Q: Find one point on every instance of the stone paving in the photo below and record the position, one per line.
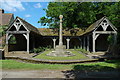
(19, 54)
(32, 74)
(57, 74)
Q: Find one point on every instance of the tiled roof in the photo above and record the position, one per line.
(54, 32)
(6, 18)
(74, 32)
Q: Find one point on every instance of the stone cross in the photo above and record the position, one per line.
(60, 31)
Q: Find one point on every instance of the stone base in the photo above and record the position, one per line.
(61, 52)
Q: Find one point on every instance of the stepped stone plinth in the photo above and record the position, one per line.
(60, 51)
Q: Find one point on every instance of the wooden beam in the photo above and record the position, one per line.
(93, 42)
(6, 38)
(18, 32)
(96, 36)
(23, 25)
(9, 36)
(104, 26)
(68, 43)
(15, 26)
(18, 25)
(11, 25)
(105, 32)
(88, 43)
(25, 36)
(84, 42)
(28, 42)
(54, 41)
(6, 43)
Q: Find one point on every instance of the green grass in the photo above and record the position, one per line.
(98, 66)
(77, 56)
(82, 50)
(12, 64)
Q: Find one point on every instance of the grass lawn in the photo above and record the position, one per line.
(107, 65)
(77, 56)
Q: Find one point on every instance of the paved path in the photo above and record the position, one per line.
(32, 74)
(57, 74)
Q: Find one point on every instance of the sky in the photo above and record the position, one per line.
(29, 11)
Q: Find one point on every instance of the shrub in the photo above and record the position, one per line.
(39, 49)
(76, 47)
(82, 50)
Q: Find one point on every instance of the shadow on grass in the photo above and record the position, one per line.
(116, 62)
(91, 71)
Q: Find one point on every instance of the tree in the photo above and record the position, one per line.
(72, 12)
(81, 14)
(2, 29)
(77, 14)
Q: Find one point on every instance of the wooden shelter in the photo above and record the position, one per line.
(94, 38)
(25, 34)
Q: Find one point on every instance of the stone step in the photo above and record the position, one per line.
(61, 47)
(18, 52)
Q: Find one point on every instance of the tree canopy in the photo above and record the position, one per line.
(80, 14)
(2, 29)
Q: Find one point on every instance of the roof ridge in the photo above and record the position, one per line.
(94, 25)
(28, 25)
(26, 22)
(7, 13)
(101, 19)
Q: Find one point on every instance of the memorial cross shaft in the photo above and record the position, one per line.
(60, 31)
